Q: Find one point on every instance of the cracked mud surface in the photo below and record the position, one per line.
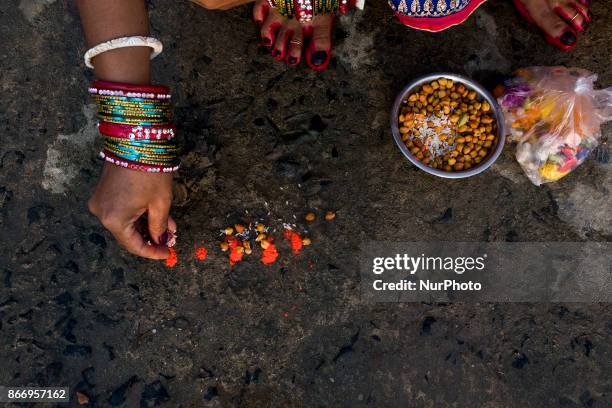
(75, 310)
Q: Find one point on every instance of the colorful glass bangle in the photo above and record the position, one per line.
(128, 111)
(136, 152)
(129, 94)
(121, 86)
(160, 163)
(134, 115)
(133, 121)
(137, 132)
(144, 108)
(142, 150)
(134, 106)
(150, 168)
(128, 100)
(130, 147)
(136, 122)
(109, 88)
(124, 101)
(143, 143)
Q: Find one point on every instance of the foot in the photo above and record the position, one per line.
(559, 20)
(291, 41)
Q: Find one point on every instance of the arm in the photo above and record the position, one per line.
(221, 4)
(122, 196)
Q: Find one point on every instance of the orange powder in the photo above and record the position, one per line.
(269, 255)
(294, 239)
(201, 253)
(235, 255)
(172, 258)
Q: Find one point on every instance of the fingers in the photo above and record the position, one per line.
(133, 242)
(140, 192)
(294, 48)
(171, 224)
(157, 218)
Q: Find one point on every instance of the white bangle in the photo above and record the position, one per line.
(123, 42)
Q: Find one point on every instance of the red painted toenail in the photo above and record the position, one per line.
(568, 38)
(318, 57)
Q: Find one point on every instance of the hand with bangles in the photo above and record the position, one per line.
(134, 193)
(123, 196)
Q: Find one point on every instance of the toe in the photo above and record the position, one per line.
(279, 51)
(270, 27)
(572, 13)
(294, 48)
(556, 30)
(260, 11)
(320, 40)
(582, 6)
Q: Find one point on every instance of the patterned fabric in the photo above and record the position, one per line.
(428, 8)
(433, 15)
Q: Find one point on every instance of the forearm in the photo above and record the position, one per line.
(109, 19)
(221, 4)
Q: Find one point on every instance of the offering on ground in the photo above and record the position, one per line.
(447, 126)
(554, 114)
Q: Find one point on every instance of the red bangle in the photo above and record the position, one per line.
(129, 90)
(165, 132)
(132, 165)
(120, 86)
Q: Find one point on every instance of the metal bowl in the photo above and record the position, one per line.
(501, 133)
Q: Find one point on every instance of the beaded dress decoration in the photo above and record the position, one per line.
(433, 15)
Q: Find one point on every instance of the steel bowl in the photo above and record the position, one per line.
(499, 117)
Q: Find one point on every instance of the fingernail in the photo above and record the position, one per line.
(318, 57)
(275, 53)
(568, 38)
(258, 22)
(266, 41)
(163, 238)
(291, 60)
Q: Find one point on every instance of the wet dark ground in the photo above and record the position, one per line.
(77, 311)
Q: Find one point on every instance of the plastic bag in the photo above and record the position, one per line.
(555, 116)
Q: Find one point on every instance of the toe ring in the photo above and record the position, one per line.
(575, 15)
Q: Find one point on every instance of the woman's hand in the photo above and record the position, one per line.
(123, 196)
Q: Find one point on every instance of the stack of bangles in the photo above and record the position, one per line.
(136, 124)
(304, 10)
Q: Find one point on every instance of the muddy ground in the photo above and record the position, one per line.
(262, 140)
